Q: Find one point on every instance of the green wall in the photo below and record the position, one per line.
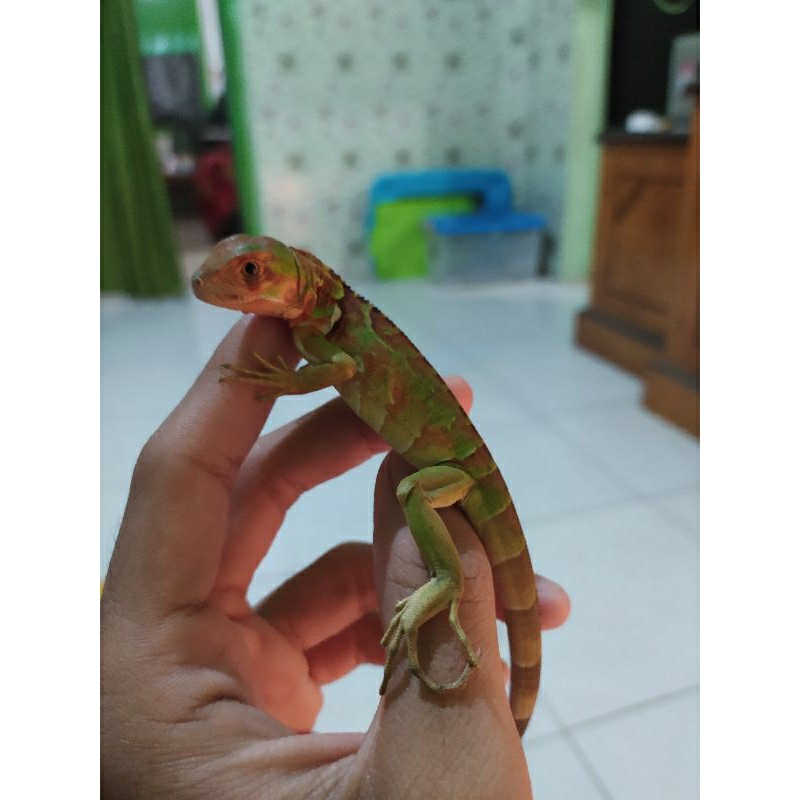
(591, 38)
(167, 27)
(172, 27)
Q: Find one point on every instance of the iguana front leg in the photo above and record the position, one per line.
(328, 365)
(420, 494)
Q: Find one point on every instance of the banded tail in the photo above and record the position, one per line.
(491, 511)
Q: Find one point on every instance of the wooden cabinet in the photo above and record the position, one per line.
(644, 310)
(672, 381)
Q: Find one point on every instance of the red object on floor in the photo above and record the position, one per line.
(216, 189)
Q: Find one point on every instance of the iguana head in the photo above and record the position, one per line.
(254, 274)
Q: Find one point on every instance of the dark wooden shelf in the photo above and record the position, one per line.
(644, 310)
(619, 136)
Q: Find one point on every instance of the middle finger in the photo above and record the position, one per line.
(325, 598)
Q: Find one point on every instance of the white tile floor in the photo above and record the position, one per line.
(609, 495)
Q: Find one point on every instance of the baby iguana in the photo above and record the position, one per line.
(353, 347)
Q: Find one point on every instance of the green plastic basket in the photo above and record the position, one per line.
(398, 243)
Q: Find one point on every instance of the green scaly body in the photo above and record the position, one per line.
(382, 376)
(402, 397)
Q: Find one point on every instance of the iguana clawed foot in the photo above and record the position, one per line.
(411, 613)
(420, 495)
(277, 379)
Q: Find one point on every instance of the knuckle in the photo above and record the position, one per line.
(160, 459)
(152, 457)
(349, 549)
(215, 464)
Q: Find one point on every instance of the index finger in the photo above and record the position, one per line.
(174, 525)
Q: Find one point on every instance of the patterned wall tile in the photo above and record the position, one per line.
(340, 91)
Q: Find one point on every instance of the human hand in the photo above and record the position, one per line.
(204, 696)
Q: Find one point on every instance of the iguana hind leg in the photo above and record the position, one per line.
(420, 494)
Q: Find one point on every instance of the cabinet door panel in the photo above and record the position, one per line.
(638, 235)
(642, 242)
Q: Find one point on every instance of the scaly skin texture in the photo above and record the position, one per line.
(351, 345)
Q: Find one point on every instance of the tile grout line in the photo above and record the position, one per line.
(600, 505)
(664, 492)
(612, 473)
(546, 412)
(608, 469)
(651, 500)
(553, 516)
(685, 530)
(567, 732)
(586, 763)
(565, 735)
(689, 530)
(547, 419)
(612, 715)
(633, 708)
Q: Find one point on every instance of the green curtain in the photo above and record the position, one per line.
(137, 248)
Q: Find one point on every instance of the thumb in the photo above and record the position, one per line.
(447, 727)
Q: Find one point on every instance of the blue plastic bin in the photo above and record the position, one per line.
(485, 246)
(491, 187)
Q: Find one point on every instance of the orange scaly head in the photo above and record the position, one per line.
(253, 274)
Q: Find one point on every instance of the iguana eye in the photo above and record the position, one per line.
(250, 268)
